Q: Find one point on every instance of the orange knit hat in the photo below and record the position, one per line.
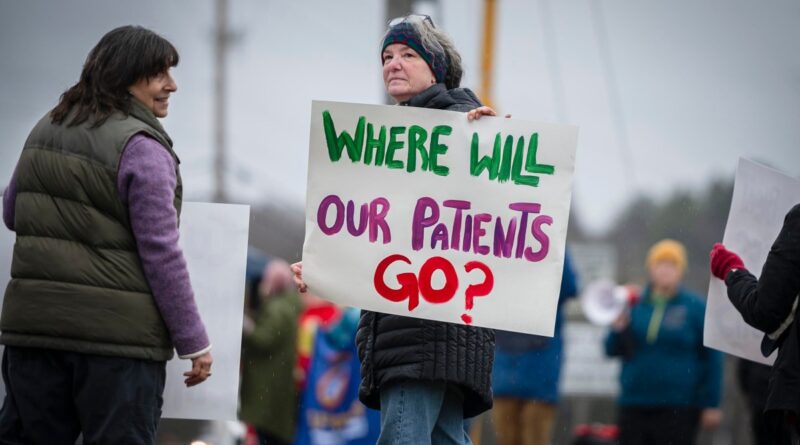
(667, 250)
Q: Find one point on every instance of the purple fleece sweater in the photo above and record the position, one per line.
(146, 184)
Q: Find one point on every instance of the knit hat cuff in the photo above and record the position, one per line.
(667, 250)
(406, 34)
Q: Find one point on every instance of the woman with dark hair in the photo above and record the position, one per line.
(99, 294)
(425, 376)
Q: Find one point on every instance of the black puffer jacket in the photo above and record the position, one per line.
(393, 347)
(766, 303)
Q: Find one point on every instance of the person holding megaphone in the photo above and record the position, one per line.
(670, 383)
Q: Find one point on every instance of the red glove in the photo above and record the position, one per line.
(723, 261)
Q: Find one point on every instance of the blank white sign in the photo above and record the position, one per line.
(214, 242)
(761, 199)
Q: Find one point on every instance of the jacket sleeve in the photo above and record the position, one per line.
(709, 391)
(363, 333)
(620, 344)
(569, 280)
(465, 100)
(10, 201)
(146, 183)
(275, 322)
(765, 303)
(461, 108)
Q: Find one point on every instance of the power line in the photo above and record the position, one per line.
(551, 54)
(612, 86)
(222, 38)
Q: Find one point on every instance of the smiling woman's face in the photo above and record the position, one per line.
(154, 92)
(405, 73)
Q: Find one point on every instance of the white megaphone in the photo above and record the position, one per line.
(603, 301)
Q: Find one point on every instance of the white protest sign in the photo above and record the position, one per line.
(421, 213)
(761, 199)
(214, 242)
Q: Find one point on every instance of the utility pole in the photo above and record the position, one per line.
(487, 52)
(400, 8)
(394, 8)
(614, 97)
(222, 39)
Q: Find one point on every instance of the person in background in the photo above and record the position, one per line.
(753, 379)
(316, 313)
(769, 304)
(268, 394)
(100, 293)
(425, 376)
(330, 412)
(670, 382)
(526, 375)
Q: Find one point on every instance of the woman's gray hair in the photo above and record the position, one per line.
(437, 42)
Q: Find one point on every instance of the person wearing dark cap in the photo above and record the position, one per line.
(425, 376)
(769, 304)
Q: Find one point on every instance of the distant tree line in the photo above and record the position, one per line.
(696, 218)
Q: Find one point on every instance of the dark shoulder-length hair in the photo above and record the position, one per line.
(121, 58)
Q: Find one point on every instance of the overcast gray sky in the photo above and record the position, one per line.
(698, 84)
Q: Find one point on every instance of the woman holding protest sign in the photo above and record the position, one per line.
(769, 304)
(670, 383)
(425, 376)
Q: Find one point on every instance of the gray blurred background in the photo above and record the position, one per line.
(667, 95)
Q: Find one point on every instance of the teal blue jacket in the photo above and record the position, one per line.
(670, 367)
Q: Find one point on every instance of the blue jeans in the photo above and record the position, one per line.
(420, 413)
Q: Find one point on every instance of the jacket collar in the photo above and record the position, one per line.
(425, 98)
(648, 296)
(141, 112)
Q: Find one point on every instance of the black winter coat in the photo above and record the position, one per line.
(393, 347)
(766, 303)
